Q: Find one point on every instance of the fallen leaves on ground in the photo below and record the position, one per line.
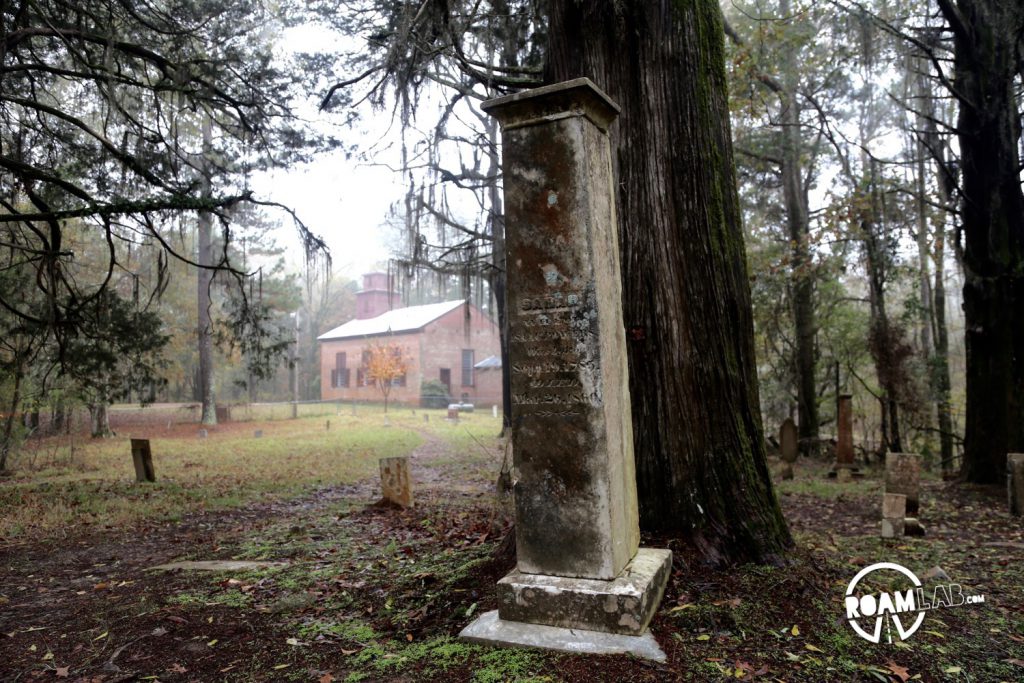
(900, 672)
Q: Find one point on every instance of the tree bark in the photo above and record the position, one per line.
(936, 148)
(926, 301)
(799, 228)
(987, 36)
(701, 468)
(7, 442)
(940, 370)
(941, 360)
(204, 285)
(58, 418)
(885, 340)
(99, 420)
(498, 278)
(293, 370)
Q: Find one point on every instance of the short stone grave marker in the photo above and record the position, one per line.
(903, 475)
(1015, 483)
(142, 457)
(894, 511)
(788, 446)
(395, 482)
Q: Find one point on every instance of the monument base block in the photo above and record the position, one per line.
(623, 605)
(490, 629)
(845, 472)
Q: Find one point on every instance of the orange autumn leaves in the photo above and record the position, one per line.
(385, 364)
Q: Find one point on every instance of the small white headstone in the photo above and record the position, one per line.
(894, 512)
(892, 528)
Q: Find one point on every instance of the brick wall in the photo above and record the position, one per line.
(439, 345)
(488, 386)
(443, 344)
(353, 349)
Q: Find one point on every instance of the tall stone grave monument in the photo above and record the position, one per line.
(581, 582)
(788, 446)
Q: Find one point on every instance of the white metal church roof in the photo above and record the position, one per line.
(395, 320)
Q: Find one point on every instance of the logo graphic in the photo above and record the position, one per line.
(901, 610)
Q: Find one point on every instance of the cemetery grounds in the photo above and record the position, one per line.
(365, 592)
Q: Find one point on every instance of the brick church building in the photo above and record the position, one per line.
(453, 342)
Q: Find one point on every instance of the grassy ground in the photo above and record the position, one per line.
(371, 593)
(66, 483)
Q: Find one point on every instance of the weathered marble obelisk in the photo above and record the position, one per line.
(580, 572)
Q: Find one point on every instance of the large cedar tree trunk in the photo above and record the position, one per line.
(701, 468)
(987, 59)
